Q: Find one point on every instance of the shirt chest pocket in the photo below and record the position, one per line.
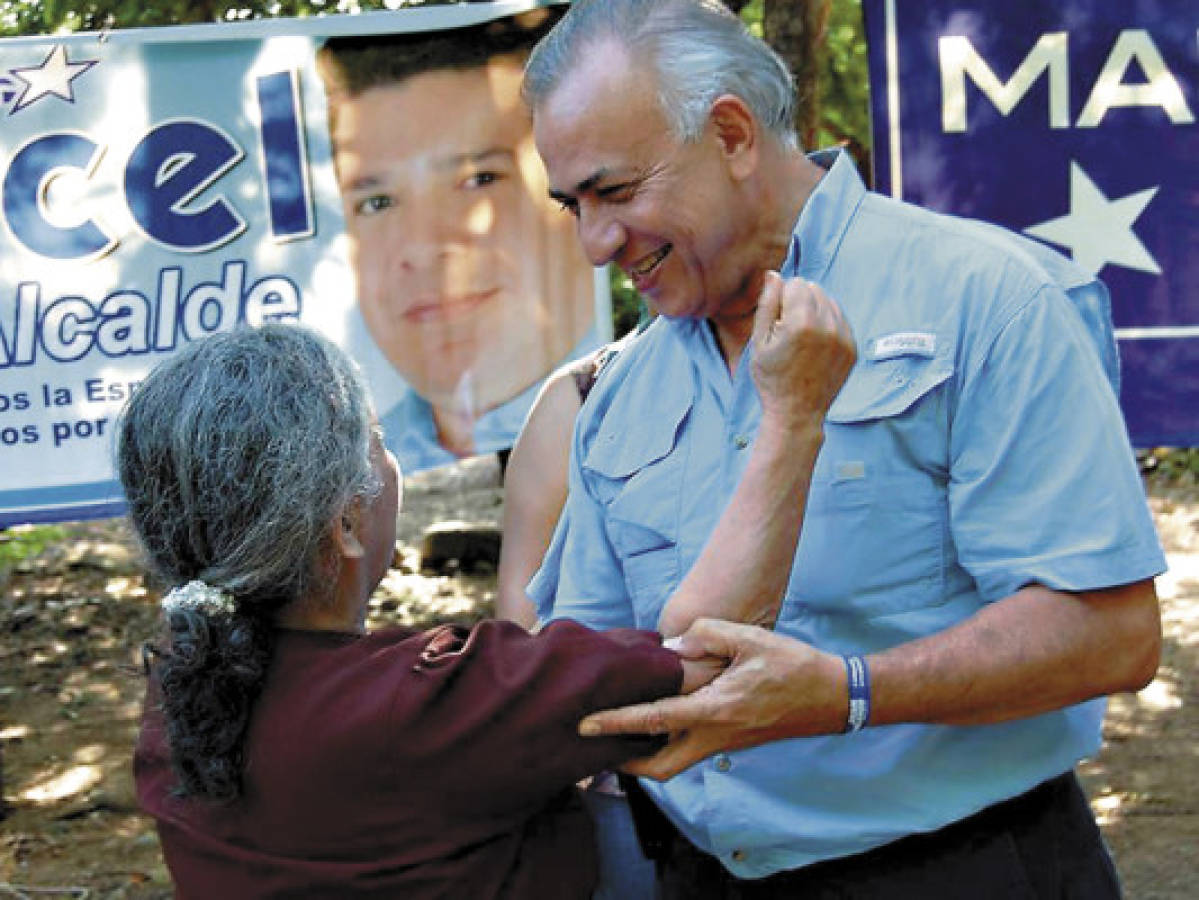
(640, 479)
(876, 538)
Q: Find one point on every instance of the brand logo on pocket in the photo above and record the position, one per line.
(904, 343)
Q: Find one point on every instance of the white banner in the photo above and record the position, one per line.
(159, 185)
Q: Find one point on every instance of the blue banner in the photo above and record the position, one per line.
(1072, 122)
(159, 185)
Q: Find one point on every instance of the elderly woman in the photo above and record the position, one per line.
(285, 751)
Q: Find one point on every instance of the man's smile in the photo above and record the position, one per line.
(647, 264)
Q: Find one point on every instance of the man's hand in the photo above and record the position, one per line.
(774, 687)
(802, 351)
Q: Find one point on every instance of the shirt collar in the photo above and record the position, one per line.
(825, 216)
(410, 433)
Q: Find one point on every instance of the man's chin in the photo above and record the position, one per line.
(472, 390)
(673, 306)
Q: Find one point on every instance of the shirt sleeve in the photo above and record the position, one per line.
(501, 707)
(1044, 486)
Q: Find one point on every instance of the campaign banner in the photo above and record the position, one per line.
(371, 176)
(1074, 123)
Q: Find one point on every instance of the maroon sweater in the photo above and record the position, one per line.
(411, 764)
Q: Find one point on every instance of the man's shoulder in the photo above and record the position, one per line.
(640, 358)
(957, 269)
(952, 241)
(646, 383)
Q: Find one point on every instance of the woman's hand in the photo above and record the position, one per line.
(698, 671)
(803, 350)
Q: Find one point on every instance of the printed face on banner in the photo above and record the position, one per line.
(470, 279)
(162, 186)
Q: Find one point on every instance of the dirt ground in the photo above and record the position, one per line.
(72, 620)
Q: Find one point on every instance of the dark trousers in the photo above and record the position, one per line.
(1040, 845)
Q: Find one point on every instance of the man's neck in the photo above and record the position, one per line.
(782, 200)
(803, 177)
(732, 334)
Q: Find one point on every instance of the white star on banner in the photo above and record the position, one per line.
(53, 76)
(1097, 230)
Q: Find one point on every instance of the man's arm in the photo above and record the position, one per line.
(802, 353)
(1035, 651)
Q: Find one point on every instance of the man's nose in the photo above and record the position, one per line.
(420, 236)
(601, 235)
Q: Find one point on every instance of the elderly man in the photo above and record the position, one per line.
(976, 563)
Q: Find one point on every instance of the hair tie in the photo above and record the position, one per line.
(198, 596)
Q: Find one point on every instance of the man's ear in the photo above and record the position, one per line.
(736, 131)
(344, 529)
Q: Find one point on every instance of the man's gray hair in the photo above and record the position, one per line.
(237, 453)
(698, 49)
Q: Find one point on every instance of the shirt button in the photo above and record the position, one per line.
(738, 856)
(723, 763)
(741, 441)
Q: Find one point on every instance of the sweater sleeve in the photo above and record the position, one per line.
(500, 707)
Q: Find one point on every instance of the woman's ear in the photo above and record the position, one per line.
(344, 529)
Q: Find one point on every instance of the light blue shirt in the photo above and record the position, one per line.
(411, 434)
(976, 447)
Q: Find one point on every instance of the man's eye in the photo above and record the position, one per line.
(480, 179)
(373, 204)
(615, 193)
(566, 204)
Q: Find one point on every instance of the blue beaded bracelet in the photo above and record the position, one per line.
(859, 693)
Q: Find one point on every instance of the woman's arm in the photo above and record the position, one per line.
(501, 706)
(534, 491)
(802, 353)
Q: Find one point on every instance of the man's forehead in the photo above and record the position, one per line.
(602, 74)
(592, 111)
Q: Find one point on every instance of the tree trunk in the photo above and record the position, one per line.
(795, 29)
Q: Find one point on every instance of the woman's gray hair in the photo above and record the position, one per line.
(698, 49)
(237, 453)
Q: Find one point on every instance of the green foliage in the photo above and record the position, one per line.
(18, 17)
(844, 79)
(752, 14)
(844, 86)
(628, 307)
(23, 541)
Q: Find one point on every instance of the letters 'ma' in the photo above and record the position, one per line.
(959, 59)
